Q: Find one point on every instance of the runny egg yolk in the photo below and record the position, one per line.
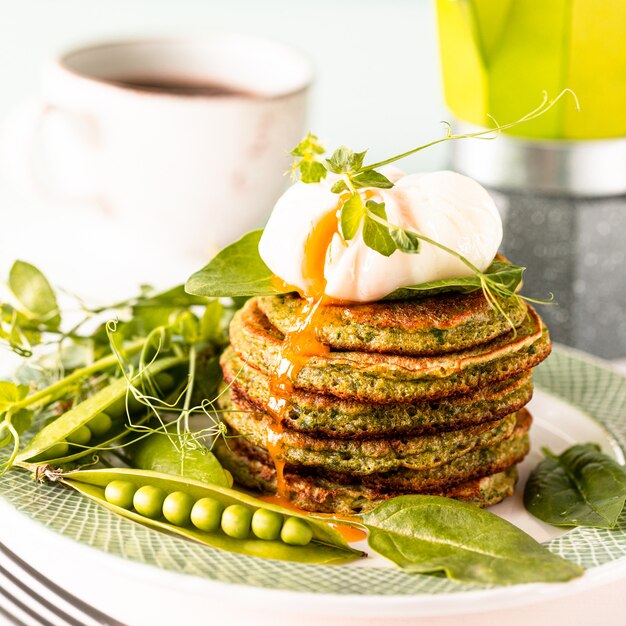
(301, 343)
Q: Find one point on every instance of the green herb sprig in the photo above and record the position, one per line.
(426, 534)
(106, 349)
(370, 218)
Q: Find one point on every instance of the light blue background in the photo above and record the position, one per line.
(377, 86)
(377, 66)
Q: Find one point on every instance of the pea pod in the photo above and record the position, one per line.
(78, 416)
(159, 454)
(326, 546)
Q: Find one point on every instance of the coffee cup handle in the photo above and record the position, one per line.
(50, 151)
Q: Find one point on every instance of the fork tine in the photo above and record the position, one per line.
(88, 612)
(40, 599)
(13, 619)
(25, 608)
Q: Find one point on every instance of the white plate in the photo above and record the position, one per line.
(186, 590)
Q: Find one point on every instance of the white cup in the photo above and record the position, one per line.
(192, 171)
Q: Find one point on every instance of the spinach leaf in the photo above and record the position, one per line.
(505, 274)
(427, 534)
(581, 487)
(237, 270)
(34, 293)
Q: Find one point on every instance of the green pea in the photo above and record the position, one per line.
(296, 532)
(100, 424)
(267, 524)
(148, 501)
(56, 451)
(120, 493)
(80, 436)
(117, 410)
(236, 521)
(177, 508)
(134, 405)
(164, 381)
(207, 514)
(229, 478)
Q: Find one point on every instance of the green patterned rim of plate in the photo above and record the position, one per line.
(567, 374)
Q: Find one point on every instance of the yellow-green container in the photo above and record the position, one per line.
(499, 55)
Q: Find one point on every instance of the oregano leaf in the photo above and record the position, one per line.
(311, 171)
(340, 160)
(339, 186)
(371, 178)
(356, 162)
(376, 235)
(352, 213)
(405, 240)
(309, 146)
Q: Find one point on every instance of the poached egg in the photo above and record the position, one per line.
(302, 243)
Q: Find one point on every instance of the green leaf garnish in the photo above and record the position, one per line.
(499, 272)
(311, 170)
(237, 270)
(371, 178)
(580, 487)
(345, 161)
(34, 309)
(429, 534)
(352, 213)
(376, 234)
(405, 240)
(355, 175)
(308, 147)
(10, 393)
(339, 186)
(35, 297)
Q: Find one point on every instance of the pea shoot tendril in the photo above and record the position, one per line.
(358, 214)
(66, 363)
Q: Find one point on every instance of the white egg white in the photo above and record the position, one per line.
(452, 209)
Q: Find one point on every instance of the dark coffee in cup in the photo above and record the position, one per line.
(181, 85)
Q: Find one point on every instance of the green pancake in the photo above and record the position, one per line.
(319, 414)
(384, 378)
(334, 492)
(318, 495)
(364, 456)
(444, 323)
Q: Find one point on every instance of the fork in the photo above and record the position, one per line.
(28, 598)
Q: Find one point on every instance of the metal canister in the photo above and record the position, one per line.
(560, 179)
(564, 210)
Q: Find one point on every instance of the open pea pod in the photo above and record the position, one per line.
(327, 545)
(55, 434)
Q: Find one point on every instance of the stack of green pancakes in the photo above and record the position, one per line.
(416, 396)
